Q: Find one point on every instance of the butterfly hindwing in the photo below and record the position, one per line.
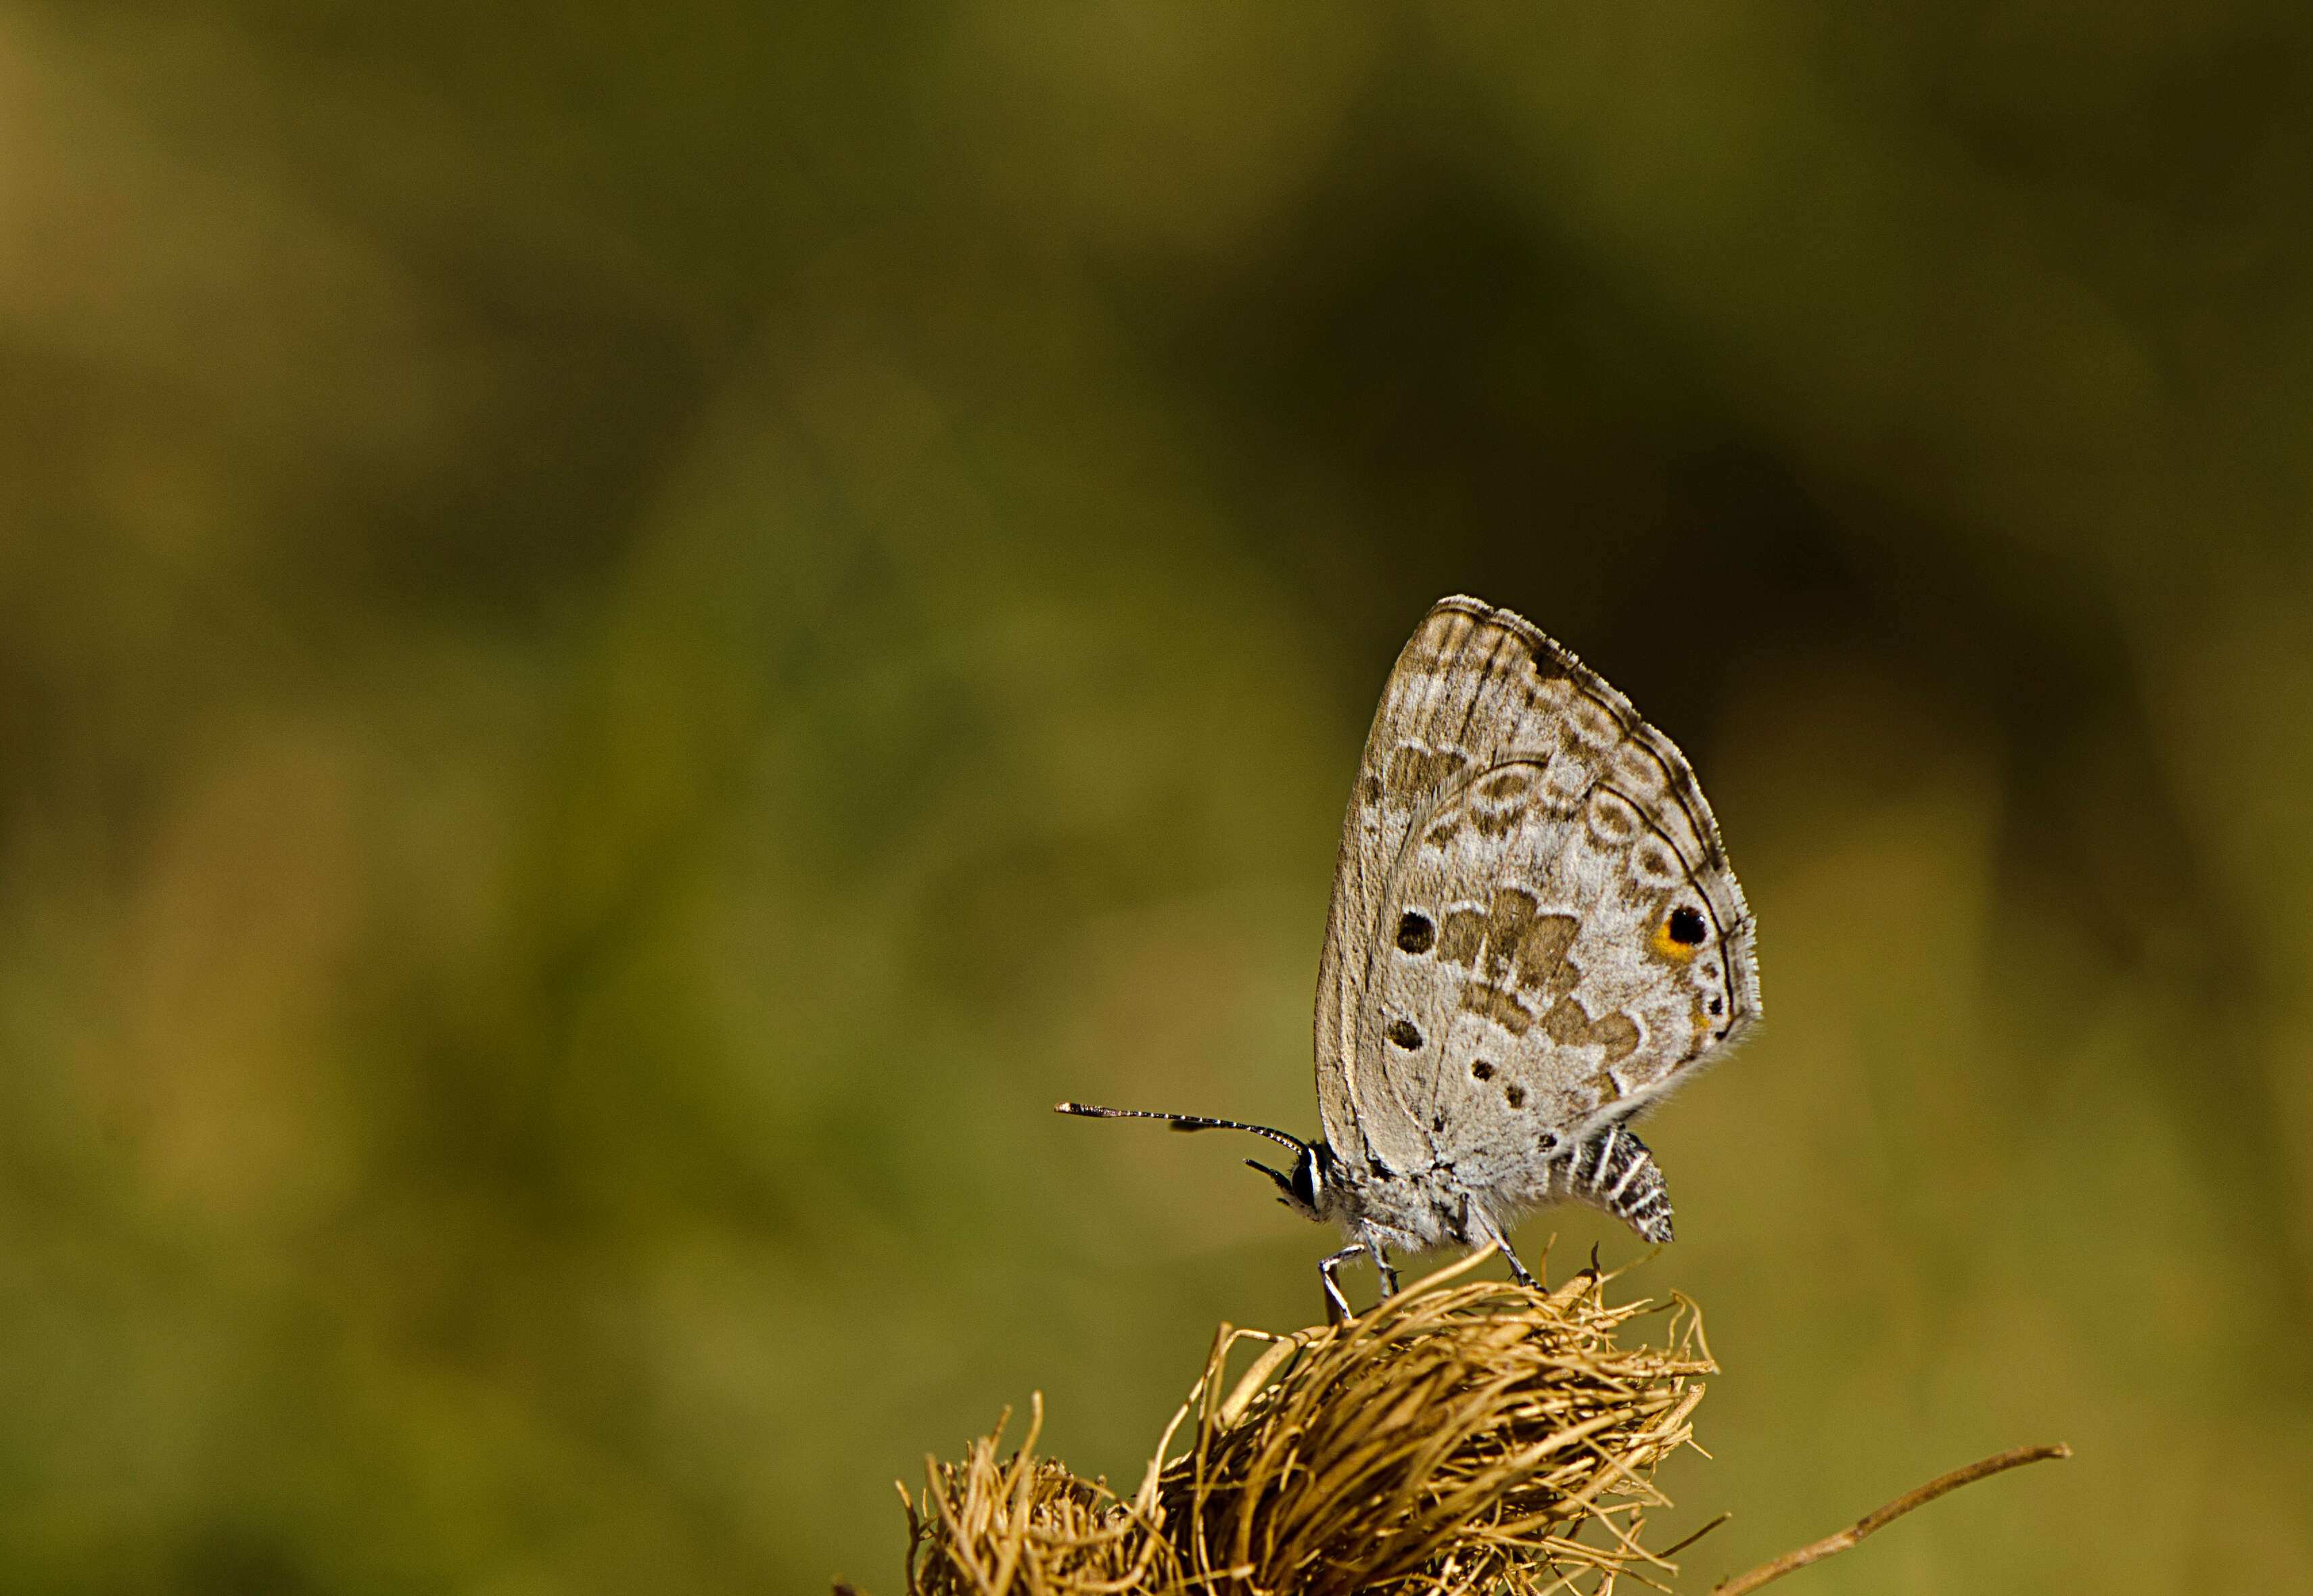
(1542, 964)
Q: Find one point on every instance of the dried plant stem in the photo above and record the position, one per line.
(1767, 1573)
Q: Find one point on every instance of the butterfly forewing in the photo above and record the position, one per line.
(1534, 928)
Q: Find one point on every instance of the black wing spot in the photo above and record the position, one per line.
(1437, 1122)
(1718, 1006)
(1481, 1070)
(1686, 927)
(1415, 933)
(1516, 1094)
(1404, 1034)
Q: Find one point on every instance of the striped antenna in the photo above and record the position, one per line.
(1184, 1122)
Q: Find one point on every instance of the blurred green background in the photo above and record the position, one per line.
(629, 634)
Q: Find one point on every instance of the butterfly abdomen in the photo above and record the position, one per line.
(1614, 1171)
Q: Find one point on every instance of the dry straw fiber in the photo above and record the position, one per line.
(1464, 1436)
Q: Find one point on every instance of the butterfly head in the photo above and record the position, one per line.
(1309, 1189)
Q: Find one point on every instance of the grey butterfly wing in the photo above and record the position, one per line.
(1548, 962)
(1515, 805)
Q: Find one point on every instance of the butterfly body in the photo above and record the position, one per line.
(1534, 935)
(1451, 1203)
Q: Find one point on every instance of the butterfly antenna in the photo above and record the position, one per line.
(1184, 1122)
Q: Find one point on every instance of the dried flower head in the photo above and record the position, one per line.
(1460, 1437)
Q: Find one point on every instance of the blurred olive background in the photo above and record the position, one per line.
(629, 634)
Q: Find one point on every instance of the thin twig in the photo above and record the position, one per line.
(1673, 1551)
(1766, 1573)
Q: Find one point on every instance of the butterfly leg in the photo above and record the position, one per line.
(1337, 1306)
(1484, 1230)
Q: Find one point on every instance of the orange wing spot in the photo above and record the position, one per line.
(1670, 947)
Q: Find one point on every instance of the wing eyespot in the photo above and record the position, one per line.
(1404, 1034)
(1416, 932)
(1681, 933)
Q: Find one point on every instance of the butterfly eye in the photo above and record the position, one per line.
(1308, 1181)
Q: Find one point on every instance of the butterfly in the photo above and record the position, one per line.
(1535, 935)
